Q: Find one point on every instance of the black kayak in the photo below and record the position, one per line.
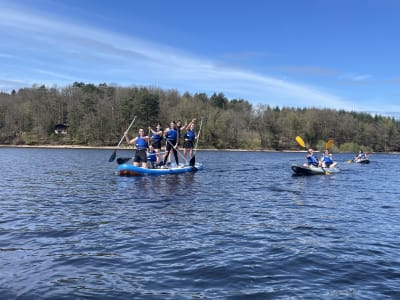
(361, 161)
(309, 170)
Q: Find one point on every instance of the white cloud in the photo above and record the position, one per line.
(355, 77)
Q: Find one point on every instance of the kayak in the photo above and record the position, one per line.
(362, 161)
(306, 170)
(131, 170)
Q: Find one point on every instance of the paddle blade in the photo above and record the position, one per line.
(113, 155)
(192, 161)
(300, 141)
(329, 144)
(326, 172)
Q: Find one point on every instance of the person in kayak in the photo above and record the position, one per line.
(311, 159)
(326, 160)
(361, 155)
(141, 144)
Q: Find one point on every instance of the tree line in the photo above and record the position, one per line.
(97, 115)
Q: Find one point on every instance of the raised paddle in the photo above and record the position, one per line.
(114, 154)
(300, 141)
(192, 161)
(328, 144)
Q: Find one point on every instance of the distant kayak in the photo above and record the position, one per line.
(307, 170)
(361, 161)
(131, 170)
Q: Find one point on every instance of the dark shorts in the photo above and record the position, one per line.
(188, 145)
(156, 145)
(140, 156)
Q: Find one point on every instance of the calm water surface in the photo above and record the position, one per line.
(242, 228)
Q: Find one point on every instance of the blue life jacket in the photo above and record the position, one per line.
(141, 143)
(156, 138)
(190, 135)
(151, 157)
(327, 160)
(312, 160)
(172, 135)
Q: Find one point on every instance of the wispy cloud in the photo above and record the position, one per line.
(354, 77)
(245, 55)
(309, 70)
(62, 52)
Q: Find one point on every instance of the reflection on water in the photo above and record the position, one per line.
(243, 227)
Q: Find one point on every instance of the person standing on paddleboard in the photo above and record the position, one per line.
(141, 144)
(171, 137)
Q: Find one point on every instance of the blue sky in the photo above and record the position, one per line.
(341, 54)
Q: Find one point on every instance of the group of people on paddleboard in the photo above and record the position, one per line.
(148, 147)
(325, 161)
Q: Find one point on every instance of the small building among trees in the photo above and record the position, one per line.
(61, 129)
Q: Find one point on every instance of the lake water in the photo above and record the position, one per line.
(242, 228)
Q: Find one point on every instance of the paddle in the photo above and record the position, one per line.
(176, 150)
(328, 144)
(300, 141)
(114, 154)
(192, 161)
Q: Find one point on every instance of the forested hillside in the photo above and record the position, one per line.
(98, 116)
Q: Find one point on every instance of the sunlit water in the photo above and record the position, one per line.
(242, 228)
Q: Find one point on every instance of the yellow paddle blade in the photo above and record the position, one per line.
(300, 141)
(329, 143)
